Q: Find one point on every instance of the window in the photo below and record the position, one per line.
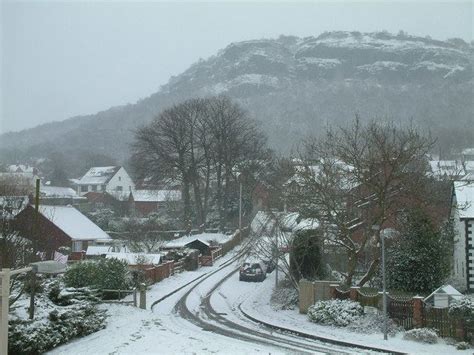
(84, 188)
(77, 246)
(119, 188)
(94, 187)
(103, 187)
(120, 178)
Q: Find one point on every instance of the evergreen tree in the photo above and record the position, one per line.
(418, 260)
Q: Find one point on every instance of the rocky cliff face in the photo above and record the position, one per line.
(294, 86)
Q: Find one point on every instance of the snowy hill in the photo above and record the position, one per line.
(294, 86)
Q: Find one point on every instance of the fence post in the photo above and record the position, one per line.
(460, 330)
(353, 293)
(134, 297)
(4, 310)
(142, 296)
(380, 302)
(417, 312)
(332, 290)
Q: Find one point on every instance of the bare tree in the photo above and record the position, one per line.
(360, 178)
(195, 142)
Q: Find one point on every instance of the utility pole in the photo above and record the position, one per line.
(33, 273)
(240, 207)
(276, 261)
(384, 288)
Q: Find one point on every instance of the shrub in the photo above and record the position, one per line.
(335, 312)
(422, 335)
(285, 296)
(33, 337)
(463, 346)
(373, 323)
(102, 274)
(61, 314)
(81, 274)
(463, 308)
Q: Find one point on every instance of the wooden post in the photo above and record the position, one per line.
(332, 290)
(418, 312)
(142, 296)
(4, 310)
(353, 293)
(32, 295)
(134, 297)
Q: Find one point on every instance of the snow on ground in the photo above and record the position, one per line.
(258, 305)
(133, 330)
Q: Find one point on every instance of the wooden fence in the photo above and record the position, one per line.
(405, 311)
(439, 319)
(401, 311)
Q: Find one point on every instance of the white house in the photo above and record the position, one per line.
(463, 217)
(111, 179)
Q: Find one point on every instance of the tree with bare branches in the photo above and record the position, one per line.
(198, 142)
(357, 180)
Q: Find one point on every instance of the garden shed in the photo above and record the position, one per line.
(443, 296)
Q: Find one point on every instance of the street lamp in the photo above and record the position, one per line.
(376, 228)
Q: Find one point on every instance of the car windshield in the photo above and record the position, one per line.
(251, 266)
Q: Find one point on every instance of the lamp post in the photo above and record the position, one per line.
(382, 238)
(381, 235)
(240, 207)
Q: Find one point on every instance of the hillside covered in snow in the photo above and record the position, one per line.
(294, 86)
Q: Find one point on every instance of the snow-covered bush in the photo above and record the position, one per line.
(422, 335)
(462, 309)
(373, 323)
(101, 274)
(60, 315)
(285, 296)
(335, 312)
(463, 345)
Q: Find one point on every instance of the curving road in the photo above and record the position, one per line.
(197, 305)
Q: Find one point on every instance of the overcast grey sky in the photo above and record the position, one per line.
(61, 59)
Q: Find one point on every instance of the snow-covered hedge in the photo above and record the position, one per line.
(373, 323)
(422, 335)
(463, 308)
(335, 312)
(101, 274)
(60, 316)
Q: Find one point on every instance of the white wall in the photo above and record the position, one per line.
(459, 276)
(121, 178)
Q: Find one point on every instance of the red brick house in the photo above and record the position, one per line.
(147, 201)
(58, 226)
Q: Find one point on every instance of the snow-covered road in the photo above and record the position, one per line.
(201, 318)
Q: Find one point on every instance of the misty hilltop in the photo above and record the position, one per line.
(294, 87)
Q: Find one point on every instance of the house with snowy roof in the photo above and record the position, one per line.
(58, 195)
(147, 201)
(113, 180)
(463, 218)
(58, 226)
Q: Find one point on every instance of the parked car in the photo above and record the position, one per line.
(253, 270)
(270, 263)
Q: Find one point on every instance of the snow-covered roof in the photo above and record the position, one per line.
(98, 175)
(445, 289)
(98, 249)
(73, 223)
(464, 191)
(135, 258)
(307, 224)
(156, 195)
(21, 168)
(206, 238)
(468, 151)
(441, 168)
(58, 192)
